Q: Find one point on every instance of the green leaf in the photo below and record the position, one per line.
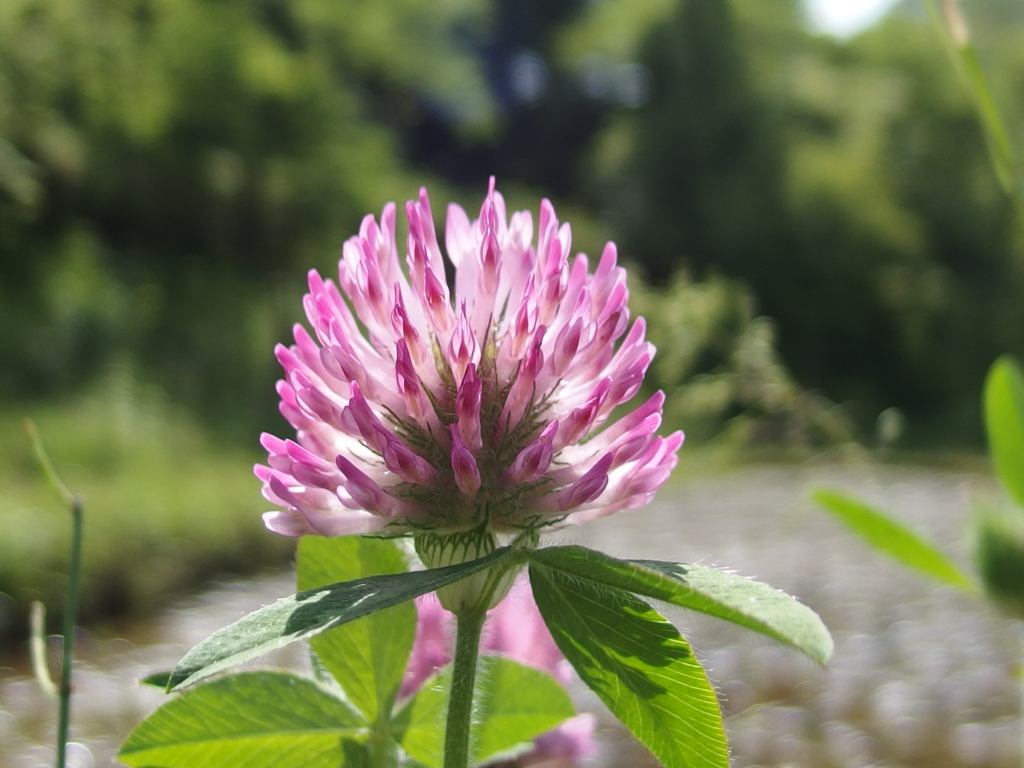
(419, 725)
(1004, 422)
(311, 612)
(250, 720)
(157, 680)
(999, 554)
(728, 596)
(355, 754)
(514, 705)
(638, 664)
(888, 536)
(367, 656)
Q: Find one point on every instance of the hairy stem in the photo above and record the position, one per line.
(460, 704)
(70, 615)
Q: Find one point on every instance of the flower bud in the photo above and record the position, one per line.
(491, 585)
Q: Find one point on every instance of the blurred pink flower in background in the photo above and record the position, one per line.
(515, 630)
(561, 747)
(419, 409)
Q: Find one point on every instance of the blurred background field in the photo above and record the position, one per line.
(820, 244)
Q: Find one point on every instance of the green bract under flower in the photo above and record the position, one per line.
(417, 411)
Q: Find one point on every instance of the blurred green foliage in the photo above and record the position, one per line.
(998, 544)
(165, 508)
(847, 184)
(997, 527)
(172, 167)
(720, 369)
(818, 219)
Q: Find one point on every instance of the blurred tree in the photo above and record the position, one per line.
(846, 183)
(919, 222)
(168, 168)
(186, 154)
(544, 117)
(704, 184)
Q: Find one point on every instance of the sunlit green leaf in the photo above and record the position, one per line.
(309, 613)
(638, 664)
(728, 596)
(250, 720)
(1004, 422)
(367, 656)
(514, 704)
(891, 537)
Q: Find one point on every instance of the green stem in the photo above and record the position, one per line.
(70, 615)
(383, 753)
(460, 704)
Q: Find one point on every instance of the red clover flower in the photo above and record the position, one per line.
(430, 411)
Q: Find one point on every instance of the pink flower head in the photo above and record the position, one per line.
(423, 408)
(515, 630)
